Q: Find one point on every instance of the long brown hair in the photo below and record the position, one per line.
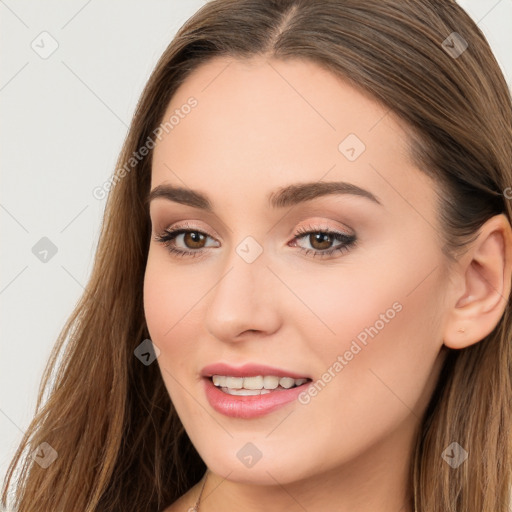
(120, 443)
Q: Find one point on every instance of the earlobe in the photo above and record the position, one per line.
(485, 271)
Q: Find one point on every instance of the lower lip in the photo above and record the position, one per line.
(247, 407)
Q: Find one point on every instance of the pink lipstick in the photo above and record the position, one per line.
(251, 390)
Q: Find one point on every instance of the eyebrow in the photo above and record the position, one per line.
(281, 198)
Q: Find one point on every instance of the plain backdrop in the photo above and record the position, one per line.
(71, 74)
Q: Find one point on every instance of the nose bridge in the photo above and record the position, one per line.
(241, 299)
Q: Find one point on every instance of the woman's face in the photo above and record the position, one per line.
(359, 311)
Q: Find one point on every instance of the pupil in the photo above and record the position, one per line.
(323, 239)
(195, 236)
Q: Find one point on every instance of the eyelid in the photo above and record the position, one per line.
(321, 225)
(187, 225)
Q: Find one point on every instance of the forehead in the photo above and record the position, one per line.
(274, 102)
(258, 124)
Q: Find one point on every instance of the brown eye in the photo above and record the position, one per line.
(320, 241)
(194, 239)
(194, 242)
(184, 241)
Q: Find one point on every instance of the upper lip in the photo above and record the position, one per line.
(248, 370)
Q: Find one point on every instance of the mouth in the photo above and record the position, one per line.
(255, 385)
(252, 396)
(251, 390)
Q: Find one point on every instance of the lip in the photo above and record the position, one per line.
(247, 407)
(248, 370)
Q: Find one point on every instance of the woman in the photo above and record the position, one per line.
(301, 294)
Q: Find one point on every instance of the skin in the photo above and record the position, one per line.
(260, 125)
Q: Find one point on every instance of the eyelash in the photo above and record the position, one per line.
(348, 241)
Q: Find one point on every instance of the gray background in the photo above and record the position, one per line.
(64, 119)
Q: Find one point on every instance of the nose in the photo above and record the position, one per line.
(244, 300)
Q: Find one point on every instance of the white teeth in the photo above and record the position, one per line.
(270, 382)
(256, 383)
(234, 382)
(253, 382)
(286, 382)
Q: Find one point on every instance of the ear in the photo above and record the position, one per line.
(481, 286)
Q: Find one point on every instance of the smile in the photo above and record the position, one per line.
(251, 403)
(256, 385)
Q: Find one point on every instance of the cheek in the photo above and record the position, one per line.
(364, 301)
(171, 324)
(172, 319)
(379, 338)
(170, 294)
